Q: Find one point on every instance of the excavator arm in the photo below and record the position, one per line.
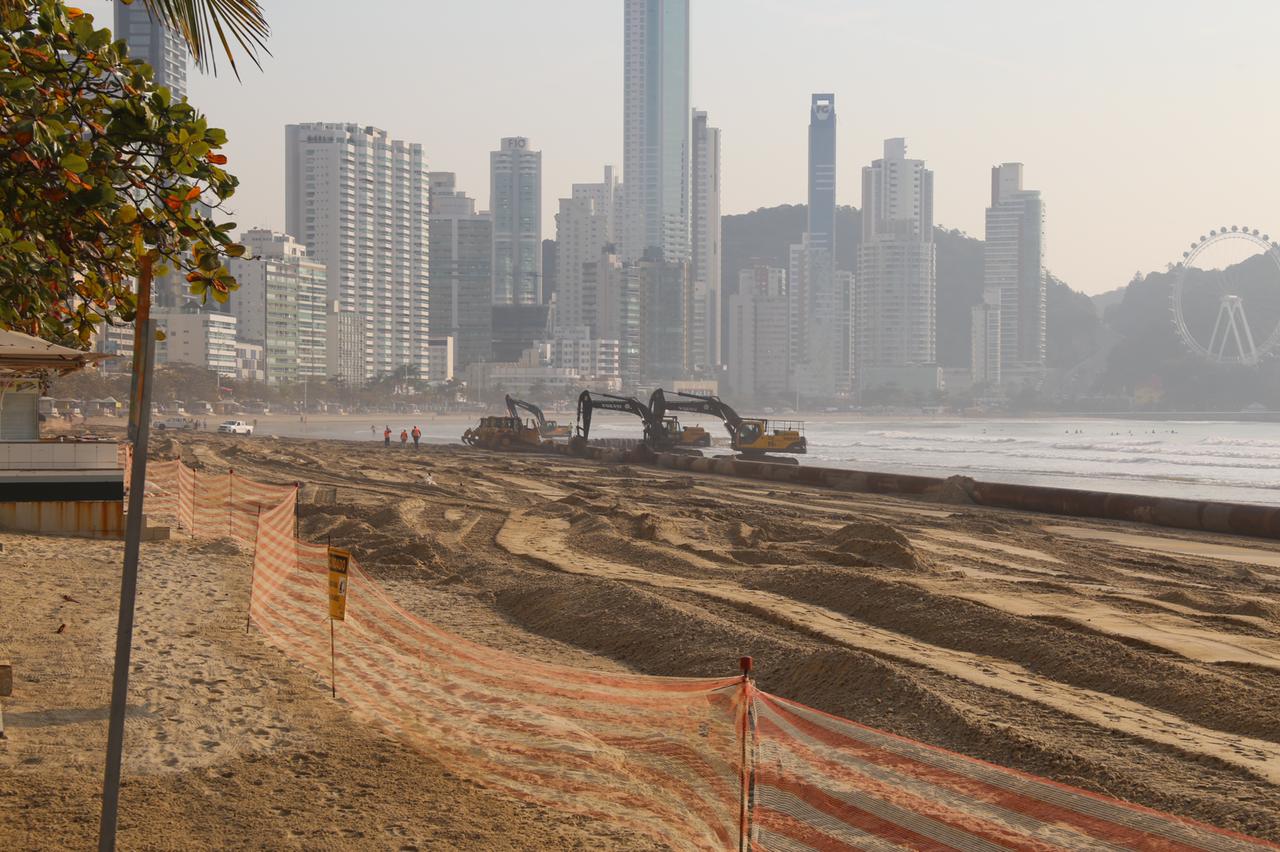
(589, 402)
(513, 408)
(660, 404)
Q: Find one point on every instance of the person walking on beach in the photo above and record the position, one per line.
(417, 434)
(386, 436)
(404, 438)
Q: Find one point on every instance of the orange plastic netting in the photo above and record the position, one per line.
(694, 763)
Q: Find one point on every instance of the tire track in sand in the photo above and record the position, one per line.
(545, 539)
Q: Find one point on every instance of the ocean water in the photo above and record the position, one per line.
(1203, 460)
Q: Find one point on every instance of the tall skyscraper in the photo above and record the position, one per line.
(165, 51)
(822, 173)
(281, 305)
(360, 202)
(159, 46)
(515, 202)
(655, 160)
(705, 233)
(1013, 267)
(461, 274)
(896, 285)
(585, 225)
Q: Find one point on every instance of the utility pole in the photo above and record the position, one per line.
(144, 347)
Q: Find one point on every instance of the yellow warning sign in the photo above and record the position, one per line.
(339, 562)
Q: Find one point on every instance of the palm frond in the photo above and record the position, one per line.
(201, 21)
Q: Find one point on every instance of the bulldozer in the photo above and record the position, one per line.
(546, 428)
(502, 433)
(752, 437)
(661, 433)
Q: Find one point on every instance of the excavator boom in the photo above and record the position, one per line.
(514, 405)
(654, 433)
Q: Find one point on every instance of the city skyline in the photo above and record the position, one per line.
(1106, 126)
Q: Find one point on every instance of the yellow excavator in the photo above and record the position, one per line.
(502, 433)
(751, 436)
(546, 428)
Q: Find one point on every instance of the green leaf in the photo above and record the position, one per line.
(75, 164)
(25, 246)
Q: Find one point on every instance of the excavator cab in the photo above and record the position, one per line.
(685, 436)
(756, 436)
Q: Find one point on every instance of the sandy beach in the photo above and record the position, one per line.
(1138, 662)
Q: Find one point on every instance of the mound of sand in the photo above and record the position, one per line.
(871, 543)
(957, 490)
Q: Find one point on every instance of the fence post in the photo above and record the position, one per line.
(744, 774)
(253, 571)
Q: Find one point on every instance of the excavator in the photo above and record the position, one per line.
(660, 432)
(546, 428)
(750, 436)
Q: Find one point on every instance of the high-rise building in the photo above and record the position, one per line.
(668, 297)
(896, 281)
(985, 339)
(1013, 267)
(620, 311)
(161, 47)
(515, 202)
(585, 225)
(360, 202)
(281, 305)
(655, 160)
(822, 173)
(197, 336)
(461, 274)
(548, 270)
(760, 319)
(705, 243)
(164, 49)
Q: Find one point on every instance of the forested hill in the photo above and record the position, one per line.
(766, 235)
(1134, 348)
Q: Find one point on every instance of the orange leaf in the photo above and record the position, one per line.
(73, 13)
(216, 159)
(193, 194)
(173, 203)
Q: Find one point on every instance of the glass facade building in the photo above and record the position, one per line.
(656, 118)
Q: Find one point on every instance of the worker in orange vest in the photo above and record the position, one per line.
(417, 435)
(404, 437)
(386, 437)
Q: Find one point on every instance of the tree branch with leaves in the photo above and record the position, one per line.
(100, 169)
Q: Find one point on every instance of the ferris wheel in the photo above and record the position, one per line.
(1228, 312)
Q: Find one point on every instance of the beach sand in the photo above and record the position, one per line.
(1139, 662)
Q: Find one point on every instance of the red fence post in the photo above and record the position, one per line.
(253, 572)
(744, 774)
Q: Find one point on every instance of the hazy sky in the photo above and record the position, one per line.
(1144, 122)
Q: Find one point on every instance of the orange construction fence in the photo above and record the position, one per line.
(695, 763)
